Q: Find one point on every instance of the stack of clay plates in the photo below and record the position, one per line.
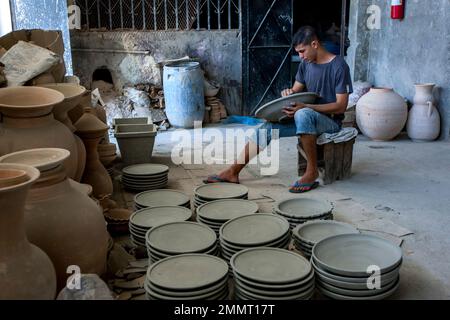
(161, 198)
(179, 238)
(219, 191)
(347, 266)
(252, 231)
(188, 277)
(217, 213)
(300, 210)
(272, 274)
(144, 220)
(143, 177)
(307, 235)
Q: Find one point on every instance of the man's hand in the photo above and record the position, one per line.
(293, 108)
(287, 92)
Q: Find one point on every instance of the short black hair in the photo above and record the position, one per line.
(305, 35)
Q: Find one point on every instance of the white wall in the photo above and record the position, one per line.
(5, 17)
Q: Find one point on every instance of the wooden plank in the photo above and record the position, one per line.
(347, 160)
(329, 158)
(338, 159)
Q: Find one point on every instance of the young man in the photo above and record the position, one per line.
(327, 75)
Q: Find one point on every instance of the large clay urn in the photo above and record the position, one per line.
(61, 219)
(73, 94)
(424, 123)
(28, 122)
(26, 272)
(91, 130)
(381, 114)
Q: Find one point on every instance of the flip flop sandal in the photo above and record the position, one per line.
(217, 179)
(303, 187)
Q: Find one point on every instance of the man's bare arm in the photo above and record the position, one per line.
(297, 88)
(340, 106)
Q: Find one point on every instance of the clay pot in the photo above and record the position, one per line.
(76, 113)
(72, 97)
(424, 123)
(61, 219)
(83, 188)
(28, 123)
(81, 150)
(381, 114)
(91, 130)
(424, 93)
(26, 271)
(73, 94)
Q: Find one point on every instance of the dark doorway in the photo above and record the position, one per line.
(266, 45)
(326, 17)
(329, 18)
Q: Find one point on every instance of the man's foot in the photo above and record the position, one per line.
(305, 184)
(299, 187)
(227, 176)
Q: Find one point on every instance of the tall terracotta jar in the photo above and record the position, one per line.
(28, 123)
(424, 123)
(26, 272)
(73, 94)
(381, 114)
(91, 130)
(60, 219)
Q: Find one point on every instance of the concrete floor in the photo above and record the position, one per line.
(401, 181)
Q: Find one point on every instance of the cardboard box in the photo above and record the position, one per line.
(51, 40)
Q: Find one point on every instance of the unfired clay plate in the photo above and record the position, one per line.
(42, 159)
(159, 198)
(352, 254)
(255, 229)
(270, 265)
(225, 210)
(148, 169)
(181, 238)
(188, 272)
(302, 208)
(152, 217)
(316, 231)
(273, 111)
(217, 191)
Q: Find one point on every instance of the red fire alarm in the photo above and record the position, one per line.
(398, 9)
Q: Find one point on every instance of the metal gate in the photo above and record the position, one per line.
(266, 44)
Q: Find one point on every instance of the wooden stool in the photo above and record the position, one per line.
(335, 159)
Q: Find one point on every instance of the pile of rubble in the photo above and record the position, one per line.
(147, 100)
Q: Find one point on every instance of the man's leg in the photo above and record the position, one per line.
(310, 124)
(231, 174)
(309, 144)
(251, 150)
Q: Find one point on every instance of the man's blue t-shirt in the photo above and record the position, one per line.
(326, 80)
